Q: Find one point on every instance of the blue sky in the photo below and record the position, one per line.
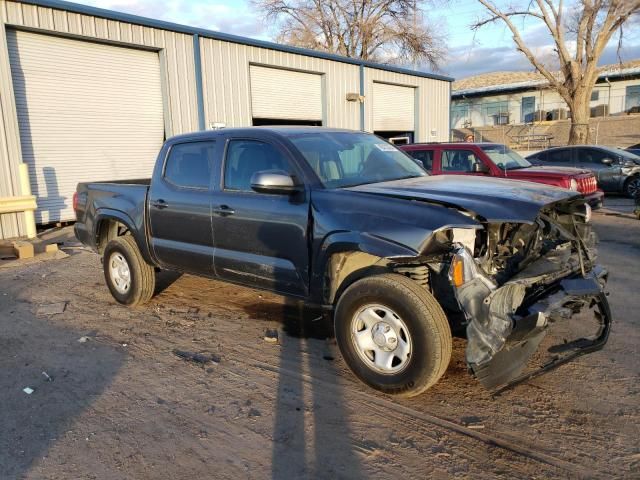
(468, 52)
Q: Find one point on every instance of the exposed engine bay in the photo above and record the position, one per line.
(512, 281)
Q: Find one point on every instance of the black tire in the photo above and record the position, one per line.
(632, 186)
(426, 323)
(142, 275)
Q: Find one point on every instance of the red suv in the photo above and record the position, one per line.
(497, 160)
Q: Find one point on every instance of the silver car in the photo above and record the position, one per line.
(616, 170)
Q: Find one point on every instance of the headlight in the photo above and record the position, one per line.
(573, 185)
(463, 267)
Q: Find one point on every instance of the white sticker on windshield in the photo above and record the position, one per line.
(385, 147)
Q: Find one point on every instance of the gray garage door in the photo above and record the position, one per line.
(86, 111)
(285, 94)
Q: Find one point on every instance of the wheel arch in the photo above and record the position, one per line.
(635, 176)
(110, 224)
(347, 257)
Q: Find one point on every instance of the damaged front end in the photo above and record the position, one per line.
(513, 281)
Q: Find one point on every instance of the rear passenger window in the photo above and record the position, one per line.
(189, 164)
(425, 157)
(540, 156)
(559, 156)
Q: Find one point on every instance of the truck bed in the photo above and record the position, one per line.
(118, 199)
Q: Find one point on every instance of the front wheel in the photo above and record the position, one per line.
(632, 187)
(130, 279)
(393, 334)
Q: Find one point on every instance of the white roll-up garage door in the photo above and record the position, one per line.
(393, 108)
(285, 94)
(86, 111)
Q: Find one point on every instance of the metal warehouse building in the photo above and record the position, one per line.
(90, 94)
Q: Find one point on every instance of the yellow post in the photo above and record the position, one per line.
(25, 188)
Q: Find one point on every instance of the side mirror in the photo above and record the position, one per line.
(607, 161)
(274, 181)
(479, 167)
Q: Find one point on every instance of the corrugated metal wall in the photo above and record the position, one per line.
(227, 86)
(11, 224)
(432, 114)
(177, 61)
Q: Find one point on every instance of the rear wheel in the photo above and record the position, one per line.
(130, 279)
(632, 186)
(393, 334)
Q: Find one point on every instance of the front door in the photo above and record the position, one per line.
(180, 208)
(260, 239)
(591, 159)
(460, 161)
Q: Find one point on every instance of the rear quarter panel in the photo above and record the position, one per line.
(122, 202)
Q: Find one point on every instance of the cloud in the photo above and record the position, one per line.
(467, 61)
(235, 17)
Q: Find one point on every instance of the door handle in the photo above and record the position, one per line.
(224, 211)
(159, 204)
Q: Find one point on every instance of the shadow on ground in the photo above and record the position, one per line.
(300, 449)
(78, 372)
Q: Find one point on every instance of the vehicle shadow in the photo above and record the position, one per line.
(66, 377)
(311, 433)
(164, 279)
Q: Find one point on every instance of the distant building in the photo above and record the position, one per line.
(519, 98)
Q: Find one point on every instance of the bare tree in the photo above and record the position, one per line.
(580, 32)
(390, 31)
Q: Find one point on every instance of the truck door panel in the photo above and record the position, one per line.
(180, 208)
(260, 239)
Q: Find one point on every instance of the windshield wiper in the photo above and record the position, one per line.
(381, 181)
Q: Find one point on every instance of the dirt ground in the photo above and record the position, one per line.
(120, 404)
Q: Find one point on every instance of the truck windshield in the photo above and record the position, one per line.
(505, 158)
(346, 159)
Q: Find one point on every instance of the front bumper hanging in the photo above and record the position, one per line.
(507, 324)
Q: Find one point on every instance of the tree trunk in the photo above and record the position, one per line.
(580, 113)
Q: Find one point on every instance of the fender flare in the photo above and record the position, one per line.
(373, 249)
(108, 214)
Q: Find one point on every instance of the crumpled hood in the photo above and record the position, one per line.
(496, 200)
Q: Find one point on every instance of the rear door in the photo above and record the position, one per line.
(424, 157)
(260, 239)
(559, 157)
(180, 207)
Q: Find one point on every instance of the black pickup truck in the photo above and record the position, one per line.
(346, 221)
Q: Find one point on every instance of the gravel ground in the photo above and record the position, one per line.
(116, 402)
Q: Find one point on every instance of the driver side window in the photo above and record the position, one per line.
(459, 160)
(593, 156)
(246, 157)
